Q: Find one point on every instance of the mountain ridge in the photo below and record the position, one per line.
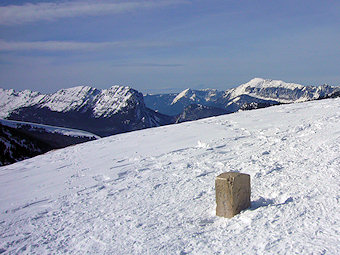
(271, 92)
(100, 111)
(120, 109)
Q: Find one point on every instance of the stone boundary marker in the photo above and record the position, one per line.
(232, 193)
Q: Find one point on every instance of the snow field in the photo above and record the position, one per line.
(152, 191)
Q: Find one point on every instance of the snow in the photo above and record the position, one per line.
(152, 191)
(184, 93)
(10, 100)
(202, 96)
(279, 91)
(69, 99)
(50, 129)
(112, 100)
(101, 102)
(262, 84)
(105, 102)
(268, 83)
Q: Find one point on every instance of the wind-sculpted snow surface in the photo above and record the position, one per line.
(152, 191)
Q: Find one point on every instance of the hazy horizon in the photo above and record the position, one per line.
(155, 91)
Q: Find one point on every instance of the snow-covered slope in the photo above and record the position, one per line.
(197, 96)
(152, 191)
(102, 103)
(103, 112)
(11, 100)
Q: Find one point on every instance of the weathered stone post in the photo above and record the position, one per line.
(232, 193)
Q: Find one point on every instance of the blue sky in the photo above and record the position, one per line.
(167, 45)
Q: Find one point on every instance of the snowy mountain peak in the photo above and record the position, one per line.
(280, 91)
(101, 111)
(22, 94)
(257, 80)
(257, 93)
(201, 96)
(11, 99)
(79, 106)
(268, 83)
(101, 103)
(184, 93)
(69, 99)
(112, 100)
